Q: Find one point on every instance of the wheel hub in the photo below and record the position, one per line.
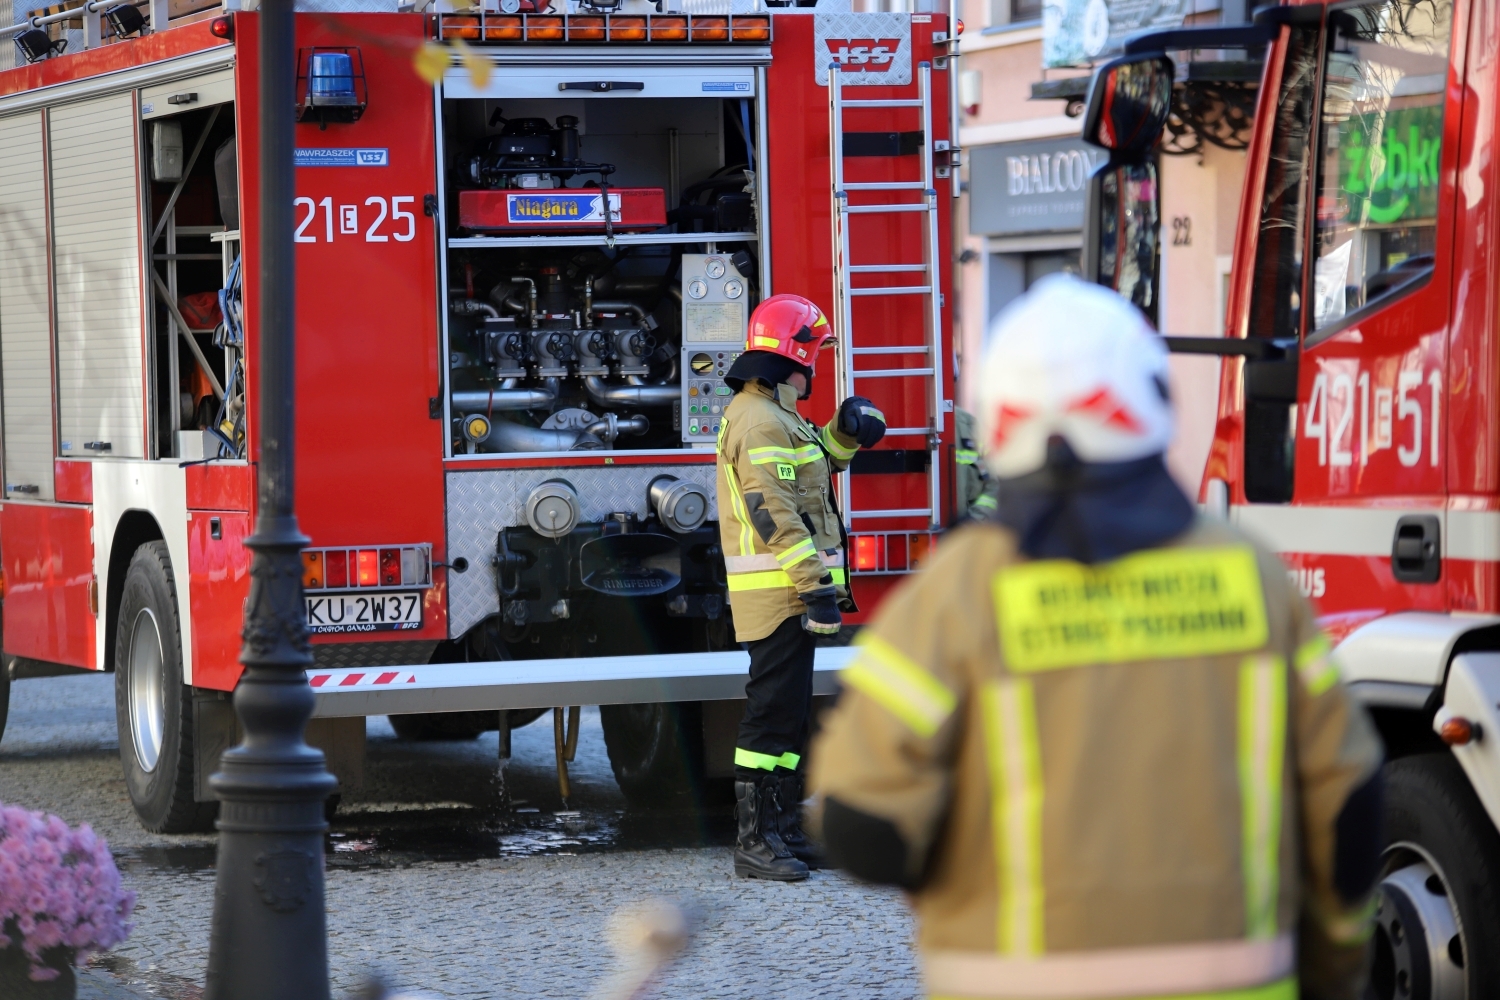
(1419, 950)
(147, 699)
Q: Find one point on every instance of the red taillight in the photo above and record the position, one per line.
(390, 567)
(221, 27)
(336, 569)
(368, 568)
(867, 553)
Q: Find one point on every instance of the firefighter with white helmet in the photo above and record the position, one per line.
(1099, 738)
(784, 556)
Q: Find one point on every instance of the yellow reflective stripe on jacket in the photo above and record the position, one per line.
(766, 580)
(838, 575)
(966, 456)
(841, 452)
(1015, 766)
(737, 504)
(1160, 603)
(1316, 666)
(804, 549)
(984, 502)
(770, 454)
(1262, 743)
(900, 686)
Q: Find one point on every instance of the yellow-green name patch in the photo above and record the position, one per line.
(785, 471)
(1161, 603)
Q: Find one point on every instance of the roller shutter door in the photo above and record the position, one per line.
(97, 260)
(25, 330)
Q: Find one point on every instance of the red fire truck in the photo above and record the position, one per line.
(518, 290)
(1359, 418)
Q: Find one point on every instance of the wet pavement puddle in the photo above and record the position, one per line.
(393, 835)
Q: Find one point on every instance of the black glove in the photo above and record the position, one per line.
(859, 419)
(823, 617)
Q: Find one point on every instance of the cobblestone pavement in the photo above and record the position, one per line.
(432, 889)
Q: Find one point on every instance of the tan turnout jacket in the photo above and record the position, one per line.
(1128, 776)
(777, 524)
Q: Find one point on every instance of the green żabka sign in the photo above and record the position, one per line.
(1388, 165)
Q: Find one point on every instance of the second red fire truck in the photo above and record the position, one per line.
(1358, 427)
(519, 284)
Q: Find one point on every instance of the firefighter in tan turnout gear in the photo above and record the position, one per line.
(784, 556)
(1099, 738)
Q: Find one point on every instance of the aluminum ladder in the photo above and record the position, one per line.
(922, 197)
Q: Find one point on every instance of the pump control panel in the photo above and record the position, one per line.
(715, 312)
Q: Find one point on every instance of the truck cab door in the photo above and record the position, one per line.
(1374, 305)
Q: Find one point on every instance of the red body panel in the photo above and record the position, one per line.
(220, 487)
(73, 481)
(545, 212)
(219, 582)
(369, 456)
(48, 555)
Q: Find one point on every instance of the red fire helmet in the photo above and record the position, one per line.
(790, 326)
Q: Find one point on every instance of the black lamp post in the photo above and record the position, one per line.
(269, 938)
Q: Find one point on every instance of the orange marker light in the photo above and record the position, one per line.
(1458, 731)
(312, 570)
(921, 545)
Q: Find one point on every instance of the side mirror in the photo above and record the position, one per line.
(1129, 99)
(1121, 243)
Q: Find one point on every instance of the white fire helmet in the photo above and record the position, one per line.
(1073, 359)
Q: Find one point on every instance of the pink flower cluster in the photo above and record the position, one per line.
(59, 888)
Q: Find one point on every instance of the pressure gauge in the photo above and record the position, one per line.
(697, 288)
(733, 289)
(702, 364)
(714, 267)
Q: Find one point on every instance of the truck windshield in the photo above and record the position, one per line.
(1380, 137)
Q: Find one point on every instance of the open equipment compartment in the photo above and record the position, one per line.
(565, 327)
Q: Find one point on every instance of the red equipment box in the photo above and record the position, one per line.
(561, 209)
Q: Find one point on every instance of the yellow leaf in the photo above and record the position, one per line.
(478, 66)
(430, 61)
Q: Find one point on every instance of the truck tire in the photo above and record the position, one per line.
(1438, 915)
(153, 707)
(656, 751)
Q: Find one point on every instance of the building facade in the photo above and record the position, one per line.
(1026, 176)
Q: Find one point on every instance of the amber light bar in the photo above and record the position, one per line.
(483, 27)
(886, 552)
(376, 567)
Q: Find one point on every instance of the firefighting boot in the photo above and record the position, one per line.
(758, 850)
(789, 803)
